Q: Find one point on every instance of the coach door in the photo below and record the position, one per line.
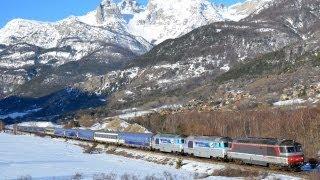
(190, 144)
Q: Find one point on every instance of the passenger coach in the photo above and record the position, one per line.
(107, 137)
(140, 140)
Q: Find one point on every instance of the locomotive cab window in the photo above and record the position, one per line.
(226, 144)
(289, 149)
(298, 148)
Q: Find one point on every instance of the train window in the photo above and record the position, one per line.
(290, 149)
(190, 144)
(271, 151)
(182, 141)
(283, 149)
(226, 144)
(298, 149)
(166, 141)
(157, 141)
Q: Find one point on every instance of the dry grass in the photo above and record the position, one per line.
(232, 172)
(86, 120)
(314, 176)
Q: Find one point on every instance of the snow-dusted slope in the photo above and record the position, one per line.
(171, 18)
(99, 38)
(240, 11)
(162, 20)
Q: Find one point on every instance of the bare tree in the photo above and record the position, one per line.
(2, 126)
(302, 125)
(15, 129)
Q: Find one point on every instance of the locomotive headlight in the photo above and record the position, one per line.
(295, 159)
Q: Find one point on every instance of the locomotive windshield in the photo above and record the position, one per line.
(291, 149)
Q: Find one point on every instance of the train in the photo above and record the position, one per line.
(267, 152)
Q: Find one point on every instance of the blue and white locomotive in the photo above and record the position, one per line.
(207, 147)
(168, 143)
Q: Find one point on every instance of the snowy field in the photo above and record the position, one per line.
(44, 158)
(26, 156)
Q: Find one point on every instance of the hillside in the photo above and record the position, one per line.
(261, 59)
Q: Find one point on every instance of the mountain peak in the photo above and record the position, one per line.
(129, 7)
(172, 18)
(107, 11)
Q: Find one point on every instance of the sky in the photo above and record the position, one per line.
(53, 10)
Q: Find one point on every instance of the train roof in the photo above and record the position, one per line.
(209, 138)
(168, 136)
(266, 141)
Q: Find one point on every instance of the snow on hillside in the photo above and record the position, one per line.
(39, 124)
(15, 115)
(240, 11)
(119, 125)
(289, 102)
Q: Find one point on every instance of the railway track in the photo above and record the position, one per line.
(233, 165)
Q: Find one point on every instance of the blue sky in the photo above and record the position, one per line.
(52, 10)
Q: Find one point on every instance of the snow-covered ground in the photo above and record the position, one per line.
(46, 158)
(289, 102)
(39, 124)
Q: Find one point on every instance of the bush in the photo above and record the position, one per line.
(91, 149)
(179, 163)
(77, 176)
(28, 177)
(110, 176)
(129, 177)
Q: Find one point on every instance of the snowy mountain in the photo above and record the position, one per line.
(162, 20)
(99, 38)
(262, 56)
(130, 7)
(172, 18)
